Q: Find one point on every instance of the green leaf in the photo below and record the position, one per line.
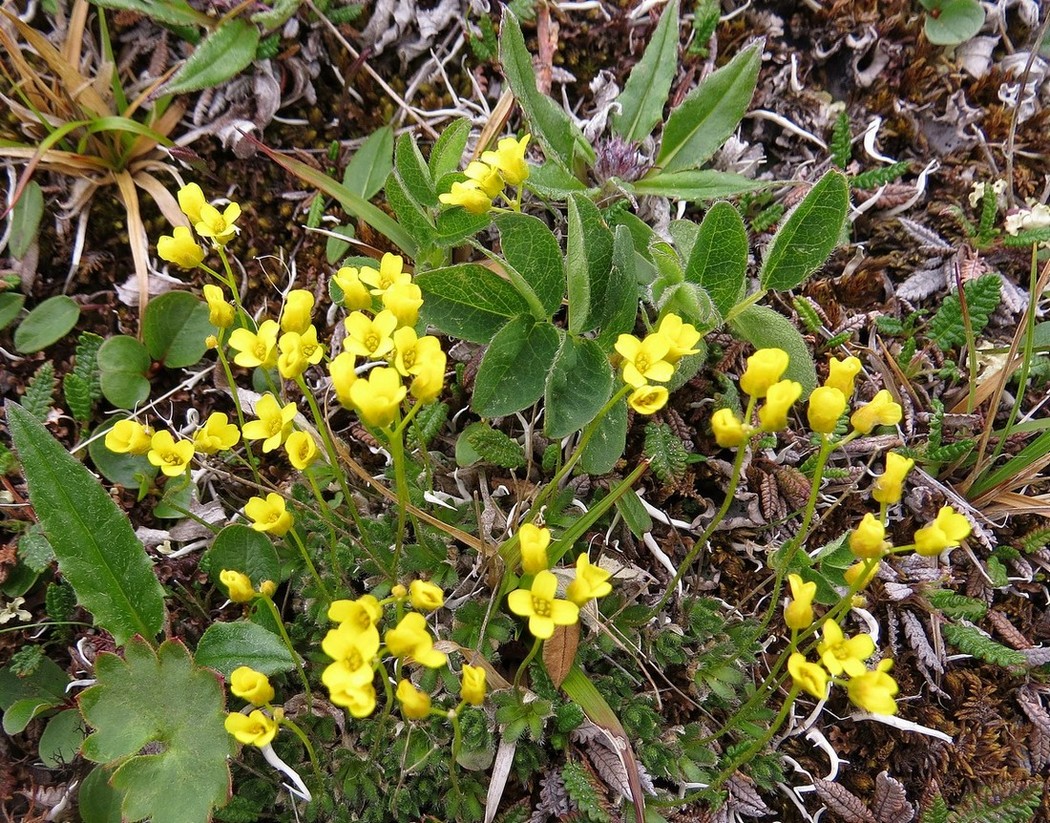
(718, 261)
(764, 328)
(693, 304)
(25, 220)
(578, 385)
(175, 328)
(456, 225)
(226, 646)
(947, 328)
(159, 697)
(34, 549)
(972, 641)
(808, 235)
(10, 307)
(551, 125)
(957, 22)
(468, 301)
(170, 12)
(40, 393)
(841, 141)
(96, 547)
(77, 394)
(123, 363)
(620, 302)
(97, 801)
(222, 54)
(127, 470)
(47, 681)
(710, 113)
(588, 260)
(492, 446)
(695, 185)
(448, 151)
(553, 182)
(412, 217)
(60, 742)
(641, 103)
(513, 371)
(414, 171)
(371, 164)
(243, 549)
(607, 443)
(22, 712)
(46, 324)
(667, 456)
(634, 514)
(532, 250)
(1009, 801)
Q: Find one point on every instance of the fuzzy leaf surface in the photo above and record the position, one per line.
(225, 646)
(695, 185)
(513, 372)
(533, 250)
(718, 261)
(645, 93)
(588, 261)
(765, 328)
(468, 301)
(222, 54)
(578, 385)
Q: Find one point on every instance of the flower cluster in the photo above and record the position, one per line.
(487, 177)
(172, 456)
(652, 360)
(207, 221)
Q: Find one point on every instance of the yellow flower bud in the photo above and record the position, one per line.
(779, 399)
(267, 588)
(399, 591)
(648, 399)
(191, 199)
(881, 411)
(798, 613)
(238, 585)
(868, 540)
(533, 542)
(220, 313)
(809, 677)
(356, 295)
(415, 705)
(404, 300)
(469, 195)
(948, 530)
(889, 486)
(842, 373)
(856, 578)
(764, 368)
(730, 432)
(425, 596)
(251, 685)
(298, 310)
(343, 373)
(826, 406)
(472, 685)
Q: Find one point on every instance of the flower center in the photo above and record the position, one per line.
(541, 607)
(372, 342)
(641, 362)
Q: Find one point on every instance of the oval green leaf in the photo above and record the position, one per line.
(175, 328)
(10, 305)
(223, 53)
(46, 324)
(25, 219)
(513, 371)
(468, 301)
(241, 548)
(123, 362)
(765, 328)
(578, 385)
(61, 740)
(533, 250)
(957, 22)
(718, 261)
(226, 646)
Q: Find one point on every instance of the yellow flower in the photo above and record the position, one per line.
(426, 596)
(842, 373)
(798, 614)
(868, 540)
(948, 530)
(427, 383)
(809, 677)
(826, 406)
(415, 705)
(874, 690)
(298, 352)
(269, 515)
(855, 577)
(378, 397)
(218, 225)
(881, 411)
(363, 612)
(298, 309)
(533, 541)
(391, 272)
(644, 360)
(251, 685)
(841, 654)
(468, 195)
(410, 638)
(404, 300)
(764, 369)
(172, 456)
(191, 198)
(682, 337)
(302, 450)
(354, 654)
(274, 423)
(256, 349)
(487, 177)
(216, 435)
(541, 607)
(220, 313)
(129, 437)
(590, 583)
(779, 399)
(412, 353)
(889, 486)
(342, 371)
(360, 701)
(355, 293)
(370, 336)
(730, 431)
(472, 685)
(180, 248)
(648, 399)
(509, 158)
(238, 585)
(255, 729)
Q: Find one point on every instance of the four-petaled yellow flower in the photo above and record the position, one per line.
(220, 313)
(425, 596)
(238, 584)
(180, 248)
(355, 293)
(644, 360)
(647, 399)
(472, 685)
(764, 369)
(682, 337)
(590, 583)
(170, 455)
(868, 540)
(370, 336)
(415, 705)
(779, 399)
(842, 374)
(509, 158)
(883, 410)
(469, 195)
(826, 405)
(255, 729)
(403, 300)
(809, 677)
(533, 541)
(274, 423)
(841, 654)
(410, 638)
(269, 515)
(798, 613)
(302, 450)
(874, 690)
(258, 348)
(218, 225)
(729, 430)
(413, 353)
(216, 435)
(540, 605)
(191, 198)
(889, 486)
(250, 685)
(363, 612)
(342, 370)
(391, 272)
(488, 178)
(430, 379)
(129, 437)
(378, 396)
(298, 352)
(948, 530)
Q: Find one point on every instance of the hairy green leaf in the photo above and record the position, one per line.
(414, 171)
(718, 261)
(765, 328)
(513, 372)
(971, 641)
(666, 453)
(227, 646)
(641, 103)
(468, 301)
(578, 385)
(606, 445)
(25, 219)
(493, 446)
(532, 249)
(371, 164)
(841, 141)
(588, 260)
(695, 185)
(170, 12)
(222, 54)
(448, 151)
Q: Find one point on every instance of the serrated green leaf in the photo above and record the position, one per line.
(226, 646)
(513, 372)
(123, 363)
(175, 328)
(641, 103)
(46, 324)
(159, 697)
(222, 54)
(493, 446)
(448, 151)
(533, 251)
(956, 22)
(971, 641)
(96, 547)
(695, 185)
(10, 307)
(243, 549)
(958, 605)
(40, 392)
(414, 171)
(25, 220)
(765, 328)
(606, 445)
(808, 235)
(718, 261)
(578, 385)
(588, 260)
(710, 113)
(982, 299)
(667, 456)
(371, 164)
(468, 301)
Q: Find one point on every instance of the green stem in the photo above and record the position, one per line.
(745, 304)
(310, 564)
(309, 747)
(329, 518)
(396, 439)
(288, 645)
(457, 741)
(225, 363)
(536, 644)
